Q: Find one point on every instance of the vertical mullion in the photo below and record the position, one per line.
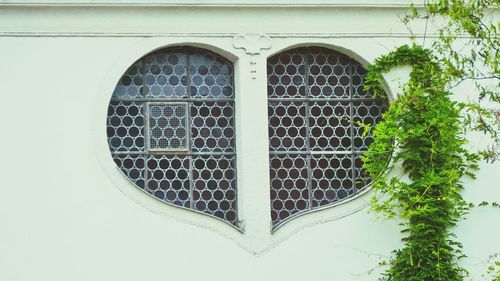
(145, 106)
(146, 171)
(147, 141)
(145, 114)
(351, 116)
(141, 73)
(188, 130)
(188, 74)
(233, 154)
(308, 145)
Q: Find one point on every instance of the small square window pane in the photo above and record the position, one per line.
(214, 186)
(330, 126)
(289, 186)
(165, 75)
(212, 127)
(168, 178)
(328, 74)
(366, 113)
(210, 77)
(125, 126)
(286, 76)
(287, 126)
(331, 178)
(131, 85)
(131, 166)
(168, 127)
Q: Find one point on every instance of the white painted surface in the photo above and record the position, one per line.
(68, 214)
(214, 2)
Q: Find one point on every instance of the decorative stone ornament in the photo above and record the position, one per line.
(252, 43)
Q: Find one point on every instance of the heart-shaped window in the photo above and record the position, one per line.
(171, 130)
(318, 113)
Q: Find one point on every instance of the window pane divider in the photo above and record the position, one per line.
(173, 99)
(325, 99)
(334, 152)
(351, 117)
(182, 153)
(308, 135)
(188, 130)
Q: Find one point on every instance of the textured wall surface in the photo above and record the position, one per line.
(67, 213)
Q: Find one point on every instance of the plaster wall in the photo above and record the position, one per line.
(67, 213)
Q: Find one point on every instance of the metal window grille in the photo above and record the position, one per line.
(167, 126)
(171, 131)
(316, 108)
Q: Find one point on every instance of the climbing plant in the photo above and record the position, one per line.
(494, 267)
(424, 132)
(468, 50)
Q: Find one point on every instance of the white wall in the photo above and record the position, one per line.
(66, 213)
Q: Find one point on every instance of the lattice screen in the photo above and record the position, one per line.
(171, 129)
(316, 109)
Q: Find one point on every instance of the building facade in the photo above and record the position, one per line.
(70, 213)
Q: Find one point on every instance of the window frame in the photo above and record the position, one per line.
(256, 234)
(309, 100)
(190, 101)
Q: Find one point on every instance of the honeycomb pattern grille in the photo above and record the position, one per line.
(318, 112)
(168, 126)
(168, 178)
(214, 186)
(212, 127)
(125, 128)
(171, 131)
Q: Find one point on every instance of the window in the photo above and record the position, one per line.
(171, 129)
(316, 108)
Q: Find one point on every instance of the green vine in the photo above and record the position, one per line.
(422, 130)
(468, 49)
(494, 268)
